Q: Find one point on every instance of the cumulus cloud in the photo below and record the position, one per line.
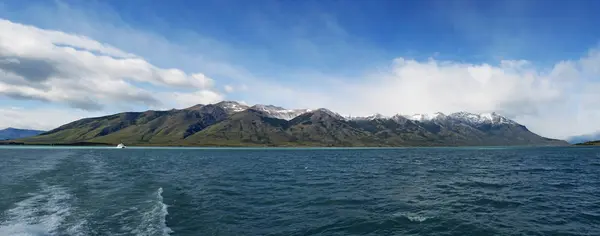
(54, 66)
(422, 87)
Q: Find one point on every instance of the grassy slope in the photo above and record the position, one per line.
(209, 126)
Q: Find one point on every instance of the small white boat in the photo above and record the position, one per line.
(121, 145)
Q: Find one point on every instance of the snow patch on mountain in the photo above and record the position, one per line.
(425, 117)
(280, 112)
(371, 117)
(232, 106)
(466, 117)
(377, 117)
(483, 118)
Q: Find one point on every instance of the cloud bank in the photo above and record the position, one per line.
(57, 67)
(559, 101)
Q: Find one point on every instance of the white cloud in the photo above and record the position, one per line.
(418, 87)
(39, 118)
(189, 99)
(59, 67)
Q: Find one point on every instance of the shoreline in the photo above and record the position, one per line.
(91, 144)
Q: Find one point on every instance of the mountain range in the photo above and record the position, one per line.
(13, 133)
(230, 123)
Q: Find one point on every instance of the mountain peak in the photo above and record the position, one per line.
(376, 116)
(232, 106)
(280, 112)
(329, 113)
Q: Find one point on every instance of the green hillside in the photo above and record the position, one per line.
(217, 125)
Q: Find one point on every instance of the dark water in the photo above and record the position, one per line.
(438, 191)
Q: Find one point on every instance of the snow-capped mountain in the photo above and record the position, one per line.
(288, 114)
(371, 117)
(464, 117)
(483, 118)
(377, 116)
(280, 112)
(272, 111)
(426, 117)
(232, 106)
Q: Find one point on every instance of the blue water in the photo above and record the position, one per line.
(409, 191)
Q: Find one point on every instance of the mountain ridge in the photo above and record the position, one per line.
(230, 123)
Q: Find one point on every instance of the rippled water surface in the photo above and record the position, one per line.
(420, 191)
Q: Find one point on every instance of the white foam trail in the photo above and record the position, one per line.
(163, 213)
(41, 214)
(412, 216)
(154, 221)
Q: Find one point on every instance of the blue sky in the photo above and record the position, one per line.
(318, 53)
(459, 30)
(343, 36)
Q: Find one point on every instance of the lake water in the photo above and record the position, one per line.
(412, 191)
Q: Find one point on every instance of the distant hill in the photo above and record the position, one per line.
(589, 143)
(12, 133)
(584, 138)
(233, 124)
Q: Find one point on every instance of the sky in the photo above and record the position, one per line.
(536, 62)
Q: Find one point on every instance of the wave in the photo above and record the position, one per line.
(495, 203)
(44, 213)
(482, 184)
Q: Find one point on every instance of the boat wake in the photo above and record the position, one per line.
(43, 213)
(162, 209)
(154, 219)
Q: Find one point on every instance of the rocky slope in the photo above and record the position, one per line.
(233, 124)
